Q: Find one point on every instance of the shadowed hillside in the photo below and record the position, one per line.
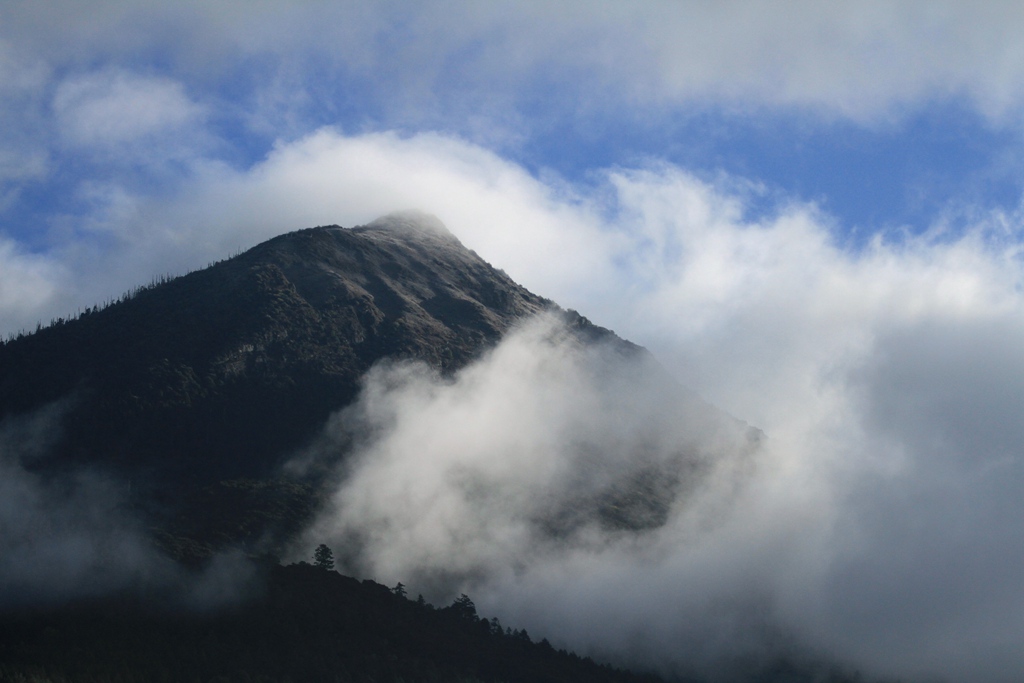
(311, 625)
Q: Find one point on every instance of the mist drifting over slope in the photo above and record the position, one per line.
(75, 534)
(544, 446)
(65, 538)
(838, 542)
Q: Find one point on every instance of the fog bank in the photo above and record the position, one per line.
(858, 540)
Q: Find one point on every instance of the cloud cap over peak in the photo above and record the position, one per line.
(413, 220)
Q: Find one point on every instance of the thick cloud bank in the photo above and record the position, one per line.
(545, 445)
(880, 527)
(545, 453)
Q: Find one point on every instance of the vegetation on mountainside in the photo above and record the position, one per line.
(311, 624)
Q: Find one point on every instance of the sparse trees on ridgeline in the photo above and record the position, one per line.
(464, 607)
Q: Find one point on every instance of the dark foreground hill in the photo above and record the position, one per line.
(310, 625)
(193, 392)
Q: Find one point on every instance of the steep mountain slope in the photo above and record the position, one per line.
(194, 391)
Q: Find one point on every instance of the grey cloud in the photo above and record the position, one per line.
(866, 60)
(882, 521)
(65, 540)
(28, 285)
(954, 391)
(24, 156)
(930, 576)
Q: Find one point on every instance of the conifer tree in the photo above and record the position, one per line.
(323, 557)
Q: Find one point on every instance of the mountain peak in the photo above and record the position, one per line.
(412, 222)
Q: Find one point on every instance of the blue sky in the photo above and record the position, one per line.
(887, 117)
(810, 211)
(884, 120)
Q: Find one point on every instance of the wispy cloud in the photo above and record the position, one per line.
(115, 107)
(28, 284)
(74, 536)
(65, 538)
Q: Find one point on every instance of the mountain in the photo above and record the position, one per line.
(186, 404)
(192, 392)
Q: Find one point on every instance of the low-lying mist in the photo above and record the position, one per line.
(73, 534)
(579, 492)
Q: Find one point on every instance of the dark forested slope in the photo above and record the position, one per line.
(309, 625)
(224, 369)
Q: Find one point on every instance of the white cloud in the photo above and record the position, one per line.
(880, 523)
(781, 293)
(28, 285)
(463, 477)
(116, 107)
(22, 88)
(326, 177)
